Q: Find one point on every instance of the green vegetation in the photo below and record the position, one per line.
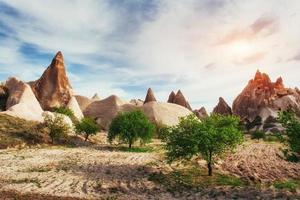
(291, 185)
(208, 138)
(193, 177)
(87, 127)
(17, 132)
(66, 111)
(291, 124)
(3, 97)
(258, 134)
(57, 127)
(129, 127)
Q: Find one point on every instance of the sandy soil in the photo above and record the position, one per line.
(261, 162)
(101, 173)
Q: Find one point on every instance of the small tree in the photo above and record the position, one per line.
(130, 127)
(291, 124)
(87, 127)
(57, 127)
(209, 138)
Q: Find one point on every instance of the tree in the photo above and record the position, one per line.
(57, 126)
(131, 126)
(87, 127)
(291, 124)
(66, 111)
(208, 138)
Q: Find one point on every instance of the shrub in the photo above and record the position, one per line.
(129, 127)
(3, 97)
(207, 138)
(291, 124)
(57, 127)
(258, 135)
(66, 111)
(87, 127)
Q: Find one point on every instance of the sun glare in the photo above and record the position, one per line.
(241, 49)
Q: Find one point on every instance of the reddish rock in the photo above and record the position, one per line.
(264, 98)
(179, 99)
(222, 108)
(53, 89)
(201, 113)
(150, 96)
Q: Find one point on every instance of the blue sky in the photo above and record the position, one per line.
(206, 48)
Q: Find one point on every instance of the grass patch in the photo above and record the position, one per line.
(136, 149)
(193, 177)
(291, 185)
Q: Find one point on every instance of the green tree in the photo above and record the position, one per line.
(131, 126)
(208, 138)
(291, 124)
(57, 126)
(87, 127)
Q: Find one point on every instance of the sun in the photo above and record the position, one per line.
(241, 48)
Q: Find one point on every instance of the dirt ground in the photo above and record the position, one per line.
(98, 172)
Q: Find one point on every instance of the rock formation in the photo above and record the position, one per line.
(96, 97)
(179, 99)
(137, 102)
(53, 88)
(201, 113)
(262, 98)
(74, 106)
(83, 101)
(165, 113)
(222, 107)
(106, 110)
(150, 96)
(21, 101)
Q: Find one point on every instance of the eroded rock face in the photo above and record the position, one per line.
(53, 89)
(201, 113)
(83, 101)
(264, 98)
(74, 106)
(150, 96)
(222, 108)
(179, 99)
(21, 101)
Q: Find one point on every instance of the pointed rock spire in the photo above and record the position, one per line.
(222, 108)
(53, 89)
(201, 113)
(171, 97)
(180, 100)
(150, 96)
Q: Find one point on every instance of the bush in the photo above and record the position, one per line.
(207, 138)
(258, 135)
(66, 111)
(57, 127)
(87, 127)
(291, 124)
(3, 97)
(129, 127)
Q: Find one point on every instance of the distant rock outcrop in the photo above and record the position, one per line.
(83, 101)
(165, 113)
(137, 102)
(201, 113)
(262, 99)
(53, 88)
(21, 101)
(222, 108)
(150, 96)
(179, 99)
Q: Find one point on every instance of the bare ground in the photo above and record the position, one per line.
(104, 173)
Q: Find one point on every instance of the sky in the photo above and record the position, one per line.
(206, 48)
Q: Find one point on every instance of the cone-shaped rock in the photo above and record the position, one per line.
(150, 96)
(171, 97)
(201, 113)
(222, 108)
(53, 88)
(180, 100)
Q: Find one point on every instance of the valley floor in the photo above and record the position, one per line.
(101, 172)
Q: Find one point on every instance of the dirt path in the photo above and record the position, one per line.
(262, 162)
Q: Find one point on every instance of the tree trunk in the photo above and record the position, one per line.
(52, 140)
(86, 137)
(209, 169)
(129, 144)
